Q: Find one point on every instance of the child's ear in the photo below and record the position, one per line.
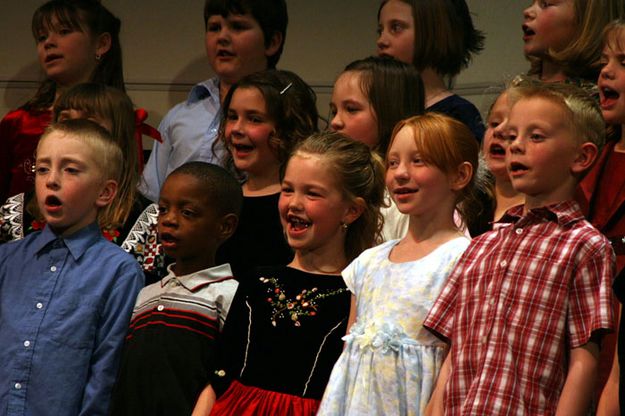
(103, 44)
(274, 44)
(354, 211)
(462, 177)
(227, 226)
(587, 154)
(108, 192)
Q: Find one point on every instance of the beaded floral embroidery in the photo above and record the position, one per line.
(304, 304)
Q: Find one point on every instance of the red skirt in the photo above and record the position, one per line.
(241, 400)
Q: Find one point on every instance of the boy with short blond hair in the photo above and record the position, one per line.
(169, 351)
(66, 293)
(528, 302)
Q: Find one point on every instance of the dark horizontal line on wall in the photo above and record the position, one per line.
(475, 88)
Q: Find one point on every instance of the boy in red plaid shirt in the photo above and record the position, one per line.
(528, 303)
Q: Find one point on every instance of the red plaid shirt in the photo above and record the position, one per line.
(519, 298)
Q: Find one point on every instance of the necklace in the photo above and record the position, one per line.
(305, 303)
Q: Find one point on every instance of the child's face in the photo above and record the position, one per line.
(396, 31)
(542, 151)
(68, 56)
(548, 25)
(248, 130)
(418, 188)
(188, 227)
(68, 183)
(494, 144)
(352, 113)
(312, 206)
(612, 84)
(72, 114)
(235, 46)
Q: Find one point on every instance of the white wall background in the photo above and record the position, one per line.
(163, 45)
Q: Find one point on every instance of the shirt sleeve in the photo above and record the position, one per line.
(111, 331)
(232, 343)
(225, 300)
(155, 170)
(350, 274)
(590, 296)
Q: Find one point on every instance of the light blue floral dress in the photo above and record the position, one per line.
(390, 362)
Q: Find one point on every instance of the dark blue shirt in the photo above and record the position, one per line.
(65, 304)
(462, 110)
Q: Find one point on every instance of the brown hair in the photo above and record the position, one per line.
(271, 15)
(360, 174)
(394, 89)
(290, 103)
(445, 38)
(88, 16)
(115, 106)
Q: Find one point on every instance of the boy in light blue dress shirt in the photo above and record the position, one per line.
(242, 37)
(66, 293)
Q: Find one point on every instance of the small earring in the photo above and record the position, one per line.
(98, 56)
(344, 226)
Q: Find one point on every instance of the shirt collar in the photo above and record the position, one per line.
(76, 243)
(203, 90)
(195, 281)
(563, 213)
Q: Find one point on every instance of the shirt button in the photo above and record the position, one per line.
(53, 268)
(39, 305)
(27, 344)
(519, 231)
(18, 386)
(492, 302)
(503, 263)
(160, 307)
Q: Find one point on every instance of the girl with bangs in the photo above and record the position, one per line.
(77, 41)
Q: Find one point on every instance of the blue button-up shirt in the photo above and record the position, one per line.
(65, 304)
(188, 132)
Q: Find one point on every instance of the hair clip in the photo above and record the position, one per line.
(286, 88)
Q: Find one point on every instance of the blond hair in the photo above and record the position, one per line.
(107, 157)
(581, 57)
(360, 174)
(583, 112)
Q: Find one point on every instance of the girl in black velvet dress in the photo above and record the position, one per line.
(283, 332)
